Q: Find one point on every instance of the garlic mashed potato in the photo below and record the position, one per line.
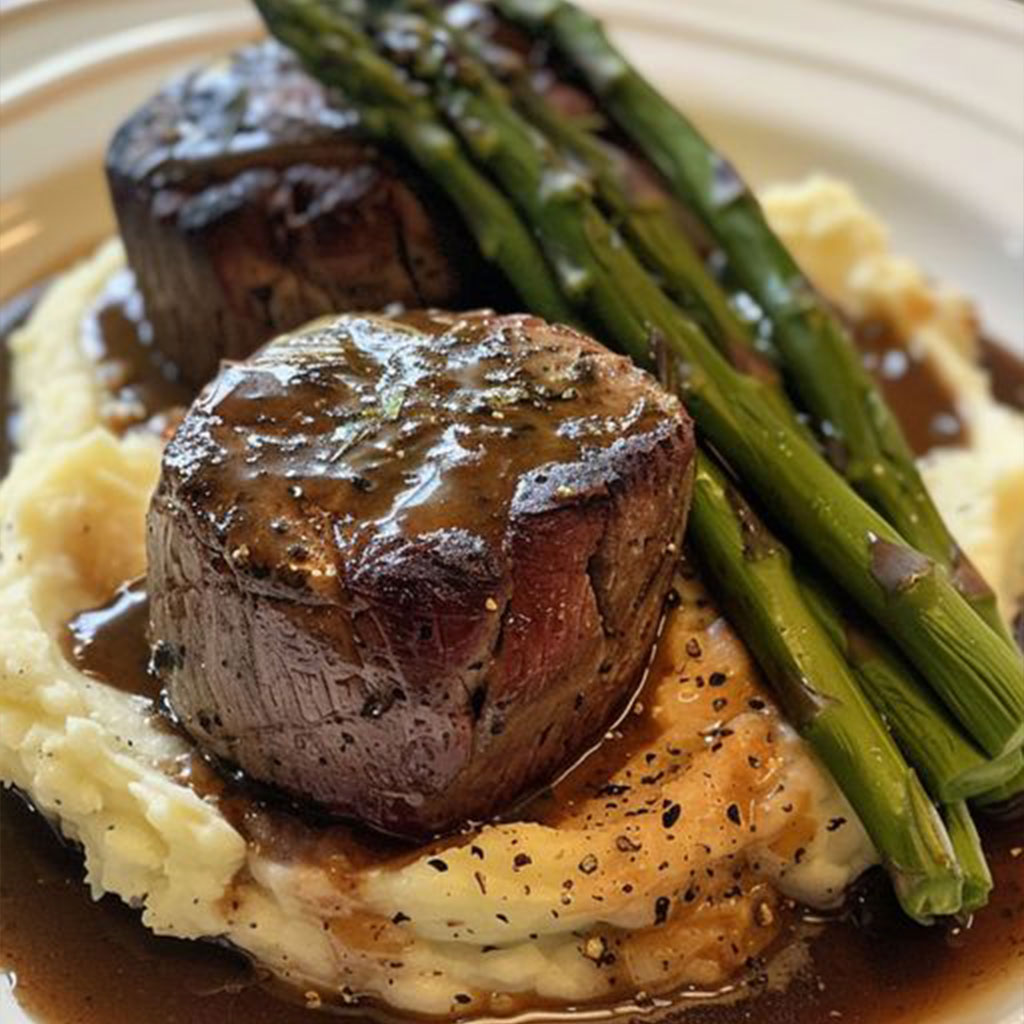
(671, 873)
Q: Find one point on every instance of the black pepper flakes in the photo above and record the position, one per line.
(671, 816)
(437, 864)
(661, 906)
(732, 812)
(834, 824)
(400, 917)
(521, 860)
(589, 864)
(717, 679)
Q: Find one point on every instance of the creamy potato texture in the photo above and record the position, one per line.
(661, 863)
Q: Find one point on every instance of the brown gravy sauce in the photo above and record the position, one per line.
(80, 962)
(109, 642)
(921, 399)
(94, 963)
(1006, 368)
(141, 387)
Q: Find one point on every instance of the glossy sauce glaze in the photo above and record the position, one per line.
(924, 403)
(109, 642)
(426, 422)
(140, 387)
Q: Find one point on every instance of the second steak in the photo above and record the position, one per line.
(249, 201)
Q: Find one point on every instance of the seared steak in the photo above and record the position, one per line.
(250, 201)
(408, 569)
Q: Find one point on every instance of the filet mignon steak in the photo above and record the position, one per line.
(250, 200)
(408, 569)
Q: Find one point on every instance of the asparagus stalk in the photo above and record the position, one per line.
(648, 225)
(1006, 796)
(334, 50)
(977, 878)
(750, 572)
(951, 767)
(818, 357)
(905, 592)
(662, 246)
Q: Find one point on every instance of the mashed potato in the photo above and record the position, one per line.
(710, 805)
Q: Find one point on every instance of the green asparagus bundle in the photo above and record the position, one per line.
(820, 361)
(977, 878)
(608, 287)
(951, 767)
(750, 572)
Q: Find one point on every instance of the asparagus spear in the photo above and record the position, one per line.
(951, 767)
(750, 572)
(977, 877)
(905, 592)
(818, 357)
(1010, 792)
(648, 225)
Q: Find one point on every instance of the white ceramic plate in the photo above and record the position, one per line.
(917, 102)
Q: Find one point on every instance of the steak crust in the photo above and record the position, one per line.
(410, 569)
